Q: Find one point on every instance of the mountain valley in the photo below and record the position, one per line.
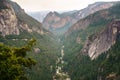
(74, 45)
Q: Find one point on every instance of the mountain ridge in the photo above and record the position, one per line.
(97, 21)
(46, 49)
(92, 50)
(89, 50)
(67, 19)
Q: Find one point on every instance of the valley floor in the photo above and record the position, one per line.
(60, 74)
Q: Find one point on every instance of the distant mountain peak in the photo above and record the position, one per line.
(39, 15)
(67, 19)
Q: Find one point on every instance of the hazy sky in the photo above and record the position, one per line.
(55, 5)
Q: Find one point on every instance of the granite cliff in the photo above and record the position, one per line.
(96, 32)
(102, 42)
(8, 20)
(14, 20)
(60, 23)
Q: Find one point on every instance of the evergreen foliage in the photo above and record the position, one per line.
(13, 61)
(107, 65)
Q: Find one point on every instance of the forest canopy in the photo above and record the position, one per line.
(13, 61)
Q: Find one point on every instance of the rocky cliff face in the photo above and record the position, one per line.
(97, 44)
(97, 32)
(92, 8)
(84, 23)
(55, 21)
(8, 20)
(14, 20)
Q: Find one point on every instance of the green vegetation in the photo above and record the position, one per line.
(111, 65)
(62, 30)
(115, 10)
(45, 58)
(105, 65)
(72, 48)
(81, 67)
(46, 45)
(16, 64)
(13, 61)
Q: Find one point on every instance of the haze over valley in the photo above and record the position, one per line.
(59, 40)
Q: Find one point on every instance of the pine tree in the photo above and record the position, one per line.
(13, 61)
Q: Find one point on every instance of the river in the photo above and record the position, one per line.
(60, 74)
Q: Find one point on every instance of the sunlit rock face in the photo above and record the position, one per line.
(102, 41)
(8, 20)
(55, 21)
(11, 21)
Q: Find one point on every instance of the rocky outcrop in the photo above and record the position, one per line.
(83, 24)
(13, 20)
(92, 8)
(8, 21)
(55, 21)
(78, 40)
(99, 43)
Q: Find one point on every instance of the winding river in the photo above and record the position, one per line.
(61, 75)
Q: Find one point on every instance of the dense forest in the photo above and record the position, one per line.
(23, 58)
(105, 67)
(44, 52)
(80, 66)
(14, 62)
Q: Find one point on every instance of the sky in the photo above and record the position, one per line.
(55, 5)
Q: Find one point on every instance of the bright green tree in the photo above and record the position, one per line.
(13, 61)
